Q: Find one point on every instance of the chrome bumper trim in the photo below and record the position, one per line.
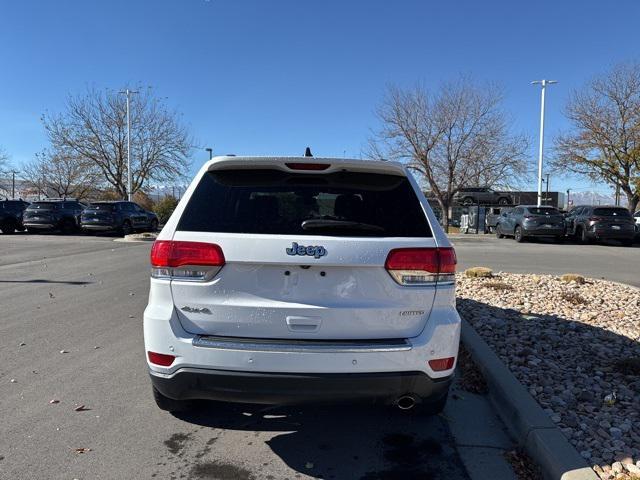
(301, 346)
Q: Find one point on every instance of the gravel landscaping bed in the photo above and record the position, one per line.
(575, 348)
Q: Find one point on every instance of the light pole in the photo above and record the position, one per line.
(568, 198)
(544, 84)
(210, 150)
(128, 93)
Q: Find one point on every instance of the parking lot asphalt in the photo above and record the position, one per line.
(608, 261)
(71, 336)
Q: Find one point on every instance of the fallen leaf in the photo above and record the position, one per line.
(64, 351)
(13, 380)
(54, 401)
(81, 408)
(22, 344)
(82, 450)
(51, 295)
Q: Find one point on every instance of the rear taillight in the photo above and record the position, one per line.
(441, 364)
(422, 266)
(161, 359)
(180, 260)
(595, 219)
(308, 166)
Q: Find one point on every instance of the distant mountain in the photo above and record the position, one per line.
(595, 198)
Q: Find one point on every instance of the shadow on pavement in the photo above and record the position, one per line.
(344, 442)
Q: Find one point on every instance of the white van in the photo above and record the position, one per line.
(291, 280)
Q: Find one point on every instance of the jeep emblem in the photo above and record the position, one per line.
(310, 251)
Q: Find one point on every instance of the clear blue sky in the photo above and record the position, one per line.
(271, 77)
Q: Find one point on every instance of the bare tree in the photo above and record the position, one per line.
(454, 137)
(604, 143)
(94, 127)
(61, 173)
(6, 174)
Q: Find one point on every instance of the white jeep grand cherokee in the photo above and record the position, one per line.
(289, 280)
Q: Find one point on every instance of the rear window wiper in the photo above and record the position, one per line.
(326, 224)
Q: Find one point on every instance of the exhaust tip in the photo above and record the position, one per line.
(406, 402)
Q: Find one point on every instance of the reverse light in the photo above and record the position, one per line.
(181, 260)
(161, 359)
(422, 266)
(440, 364)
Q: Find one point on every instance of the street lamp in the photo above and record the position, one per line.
(210, 150)
(128, 93)
(544, 84)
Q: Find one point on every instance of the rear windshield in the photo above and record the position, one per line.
(612, 212)
(543, 211)
(44, 206)
(104, 207)
(274, 202)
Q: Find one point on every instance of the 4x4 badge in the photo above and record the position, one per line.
(310, 251)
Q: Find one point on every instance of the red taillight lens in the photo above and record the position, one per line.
(170, 253)
(161, 359)
(440, 364)
(308, 166)
(422, 266)
(193, 261)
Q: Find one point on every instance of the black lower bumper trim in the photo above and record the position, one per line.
(296, 388)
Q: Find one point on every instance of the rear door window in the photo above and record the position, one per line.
(44, 206)
(543, 211)
(103, 207)
(612, 212)
(274, 202)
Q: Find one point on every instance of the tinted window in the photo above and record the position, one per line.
(273, 202)
(103, 207)
(44, 206)
(543, 211)
(612, 212)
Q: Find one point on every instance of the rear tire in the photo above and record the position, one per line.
(7, 227)
(169, 404)
(517, 235)
(582, 235)
(154, 226)
(126, 228)
(68, 226)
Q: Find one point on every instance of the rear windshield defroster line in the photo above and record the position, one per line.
(342, 204)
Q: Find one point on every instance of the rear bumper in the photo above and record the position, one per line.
(94, 227)
(296, 388)
(611, 234)
(543, 232)
(39, 225)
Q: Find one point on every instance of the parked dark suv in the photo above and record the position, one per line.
(53, 214)
(11, 215)
(482, 196)
(531, 221)
(123, 217)
(595, 222)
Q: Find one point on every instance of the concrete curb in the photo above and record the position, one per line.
(524, 418)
